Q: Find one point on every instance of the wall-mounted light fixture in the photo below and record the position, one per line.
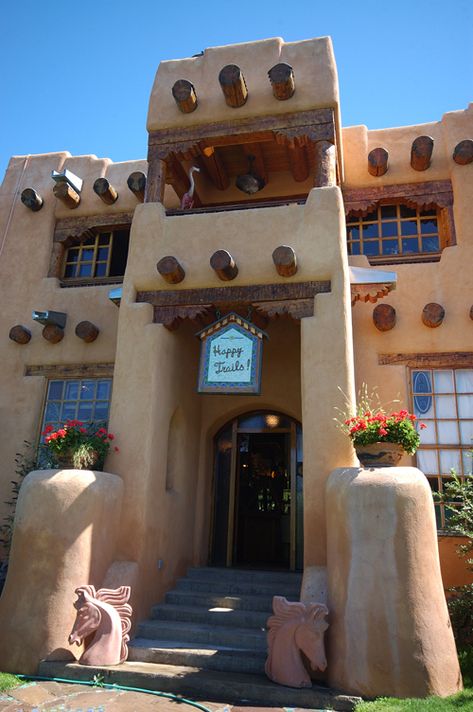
(50, 317)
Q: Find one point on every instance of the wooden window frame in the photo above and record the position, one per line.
(417, 196)
(70, 232)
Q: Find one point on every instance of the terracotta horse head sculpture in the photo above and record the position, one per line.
(103, 620)
(295, 627)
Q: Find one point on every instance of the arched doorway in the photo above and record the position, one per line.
(257, 503)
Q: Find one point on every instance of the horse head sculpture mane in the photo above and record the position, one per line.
(295, 627)
(103, 620)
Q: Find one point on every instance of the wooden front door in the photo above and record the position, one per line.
(257, 513)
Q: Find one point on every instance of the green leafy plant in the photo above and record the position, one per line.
(84, 445)
(372, 424)
(457, 498)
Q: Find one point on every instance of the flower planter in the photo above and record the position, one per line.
(381, 454)
(66, 462)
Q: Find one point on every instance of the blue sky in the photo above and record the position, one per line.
(76, 74)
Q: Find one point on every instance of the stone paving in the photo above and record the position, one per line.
(45, 696)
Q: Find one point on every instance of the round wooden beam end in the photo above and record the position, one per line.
(285, 261)
(105, 190)
(170, 269)
(433, 315)
(378, 162)
(233, 85)
(463, 153)
(224, 265)
(52, 333)
(66, 194)
(184, 96)
(87, 331)
(31, 199)
(282, 81)
(421, 152)
(137, 183)
(20, 334)
(384, 317)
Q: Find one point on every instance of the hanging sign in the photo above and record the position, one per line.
(231, 353)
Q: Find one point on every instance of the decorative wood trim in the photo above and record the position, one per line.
(72, 370)
(83, 227)
(455, 359)
(361, 201)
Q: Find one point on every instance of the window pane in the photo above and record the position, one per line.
(371, 247)
(101, 412)
(389, 229)
(101, 269)
(430, 244)
(388, 211)
(53, 411)
(390, 247)
(85, 270)
(429, 435)
(467, 463)
(70, 271)
(464, 380)
(428, 227)
(422, 382)
(466, 432)
(410, 245)
(465, 406)
(72, 255)
(427, 461)
(68, 411)
(445, 407)
(55, 390)
(370, 231)
(443, 382)
(371, 216)
(103, 390)
(102, 254)
(84, 411)
(87, 255)
(409, 227)
(447, 431)
(87, 390)
(449, 459)
(71, 391)
(354, 233)
(354, 248)
(408, 212)
(104, 238)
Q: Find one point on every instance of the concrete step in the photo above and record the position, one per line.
(230, 587)
(188, 632)
(197, 684)
(206, 657)
(218, 616)
(252, 575)
(235, 602)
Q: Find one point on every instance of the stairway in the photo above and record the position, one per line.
(208, 641)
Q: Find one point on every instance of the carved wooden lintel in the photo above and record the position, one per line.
(428, 360)
(384, 317)
(282, 81)
(295, 299)
(137, 184)
(31, 199)
(87, 331)
(105, 190)
(463, 153)
(184, 95)
(285, 261)
(233, 85)
(224, 265)
(421, 152)
(360, 201)
(71, 370)
(170, 269)
(369, 292)
(53, 333)
(378, 161)
(20, 334)
(66, 194)
(433, 315)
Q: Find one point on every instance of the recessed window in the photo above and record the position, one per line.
(101, 256)
(87, 400)
(443, 400)
(396, 233)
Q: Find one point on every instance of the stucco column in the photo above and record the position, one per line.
(390, 633)
(327, 373)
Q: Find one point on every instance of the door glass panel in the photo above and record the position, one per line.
(223, 456)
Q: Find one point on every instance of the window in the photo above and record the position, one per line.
(396, 231)
(443, 400)
(87, 400)
(100, 256)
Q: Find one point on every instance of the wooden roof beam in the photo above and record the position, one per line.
(212, 165)
(298, 162)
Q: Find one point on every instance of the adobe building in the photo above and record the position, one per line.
(343, 252)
